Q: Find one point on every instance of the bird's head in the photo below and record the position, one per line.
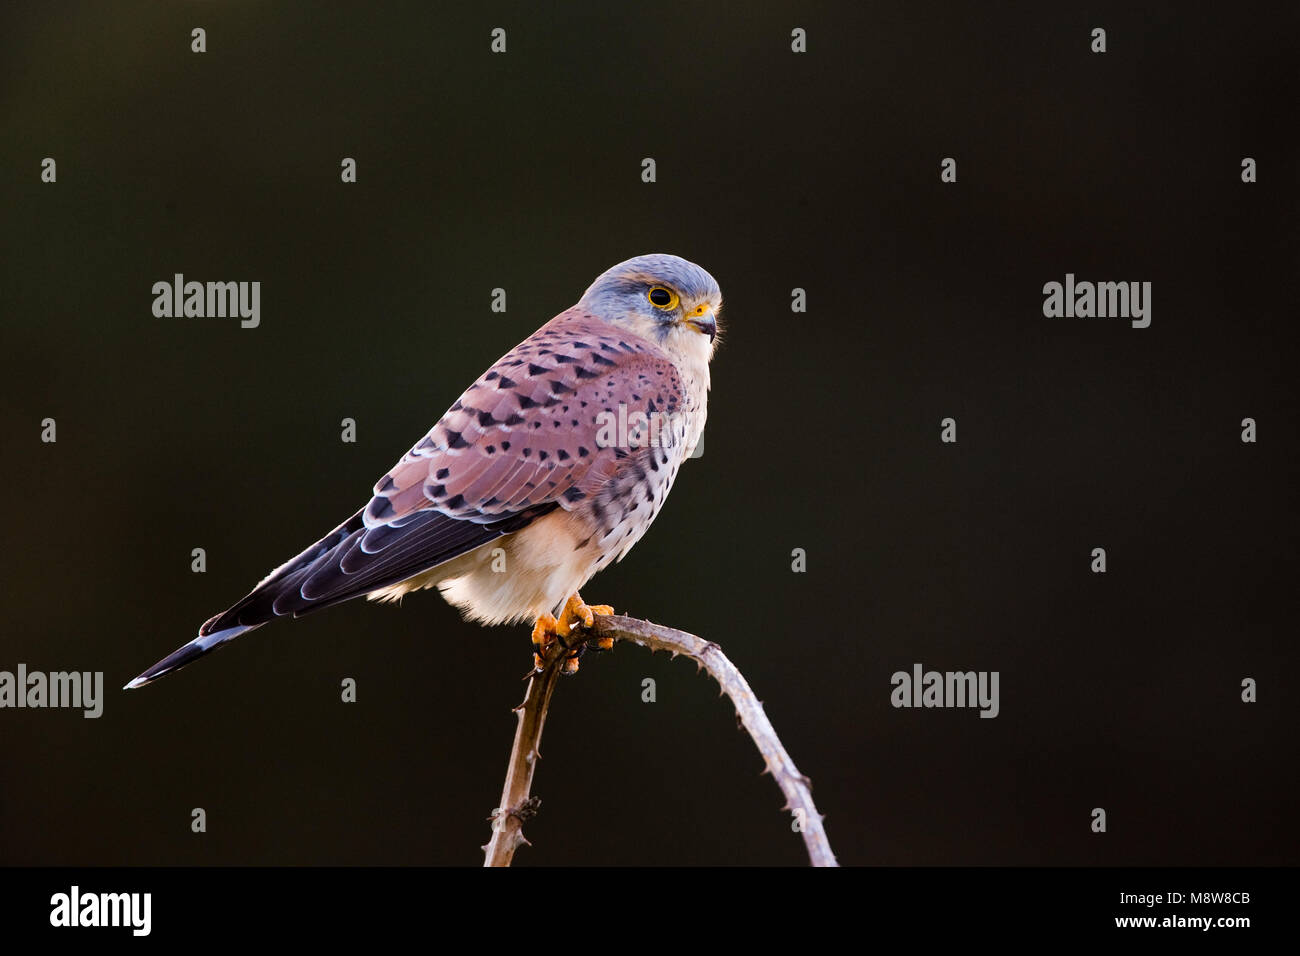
(663, 298)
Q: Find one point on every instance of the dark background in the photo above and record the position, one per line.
(775, 170)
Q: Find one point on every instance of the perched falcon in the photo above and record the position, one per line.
(546, 469)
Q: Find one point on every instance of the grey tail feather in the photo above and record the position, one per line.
(188, 653)
(226, 626)
(348, 562)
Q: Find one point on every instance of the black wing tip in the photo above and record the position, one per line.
(187, 654)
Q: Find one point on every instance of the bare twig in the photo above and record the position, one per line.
(507, 824)
(796, 787)
(517, 803)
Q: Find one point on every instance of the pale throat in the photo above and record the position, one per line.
(691, 352)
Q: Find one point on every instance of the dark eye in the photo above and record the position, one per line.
(662, 298)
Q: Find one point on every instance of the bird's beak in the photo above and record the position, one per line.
(701, 319)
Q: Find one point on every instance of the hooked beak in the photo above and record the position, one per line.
(702, 320)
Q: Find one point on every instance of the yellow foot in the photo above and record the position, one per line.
(544, 634)
(575, 615)
(544, 631)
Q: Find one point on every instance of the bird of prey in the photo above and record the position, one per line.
(550, 466)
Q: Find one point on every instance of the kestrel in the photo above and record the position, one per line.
(550, 466)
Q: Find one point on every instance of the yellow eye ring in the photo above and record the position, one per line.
(662, 298)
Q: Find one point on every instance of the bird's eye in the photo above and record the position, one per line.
(662, 298)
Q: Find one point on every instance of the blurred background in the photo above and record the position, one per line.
(775, 170)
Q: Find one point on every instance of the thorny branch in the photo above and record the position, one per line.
(517, 803)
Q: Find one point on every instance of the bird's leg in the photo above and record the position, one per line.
(576, 615)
